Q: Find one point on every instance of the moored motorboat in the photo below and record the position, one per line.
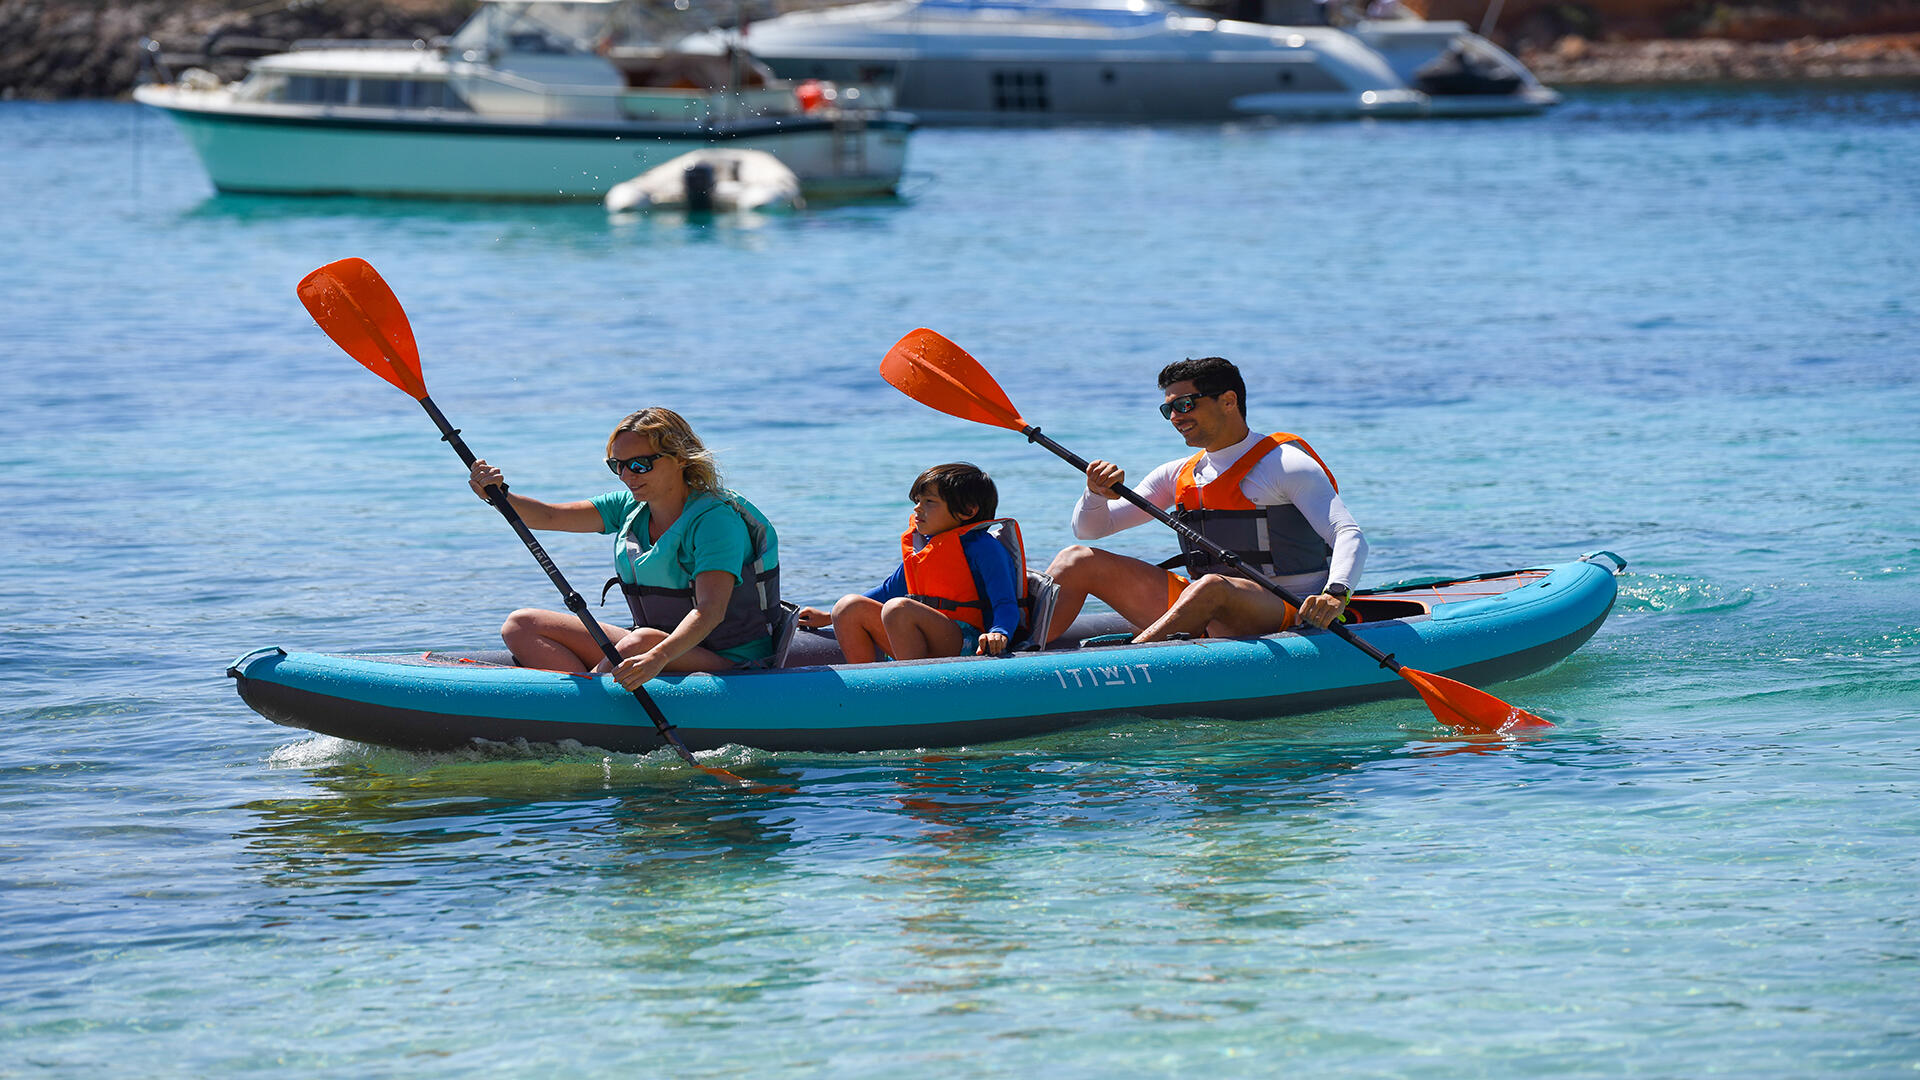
(542, 99)
(1042, 61)
(1479, 629)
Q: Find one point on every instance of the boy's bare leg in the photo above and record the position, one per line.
(856, 626)
(918, 631)
(1135, 589)
(1219, 606)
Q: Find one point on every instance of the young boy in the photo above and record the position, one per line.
(958, 587)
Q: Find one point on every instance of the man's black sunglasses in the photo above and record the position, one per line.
(1184, 404)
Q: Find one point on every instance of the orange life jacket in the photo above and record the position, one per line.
(939, 575)
(1275, 540)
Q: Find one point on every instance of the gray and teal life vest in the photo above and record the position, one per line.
(753, 611)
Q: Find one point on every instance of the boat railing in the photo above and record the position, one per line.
(560, 102)
(318, 44)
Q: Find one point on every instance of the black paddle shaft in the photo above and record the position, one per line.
(497, 496)
(1220, 554)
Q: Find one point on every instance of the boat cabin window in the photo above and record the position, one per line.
(316, 90)
(1020, 91)
(408, 94)
(534, 41)
(373, 93)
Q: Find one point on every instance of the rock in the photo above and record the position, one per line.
(1883, 56)
(90, 48)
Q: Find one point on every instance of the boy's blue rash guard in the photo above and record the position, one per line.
(994, 566)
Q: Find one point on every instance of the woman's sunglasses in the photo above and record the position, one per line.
(636, 465)
(1184, 404)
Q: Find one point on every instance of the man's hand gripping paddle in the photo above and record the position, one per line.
(359, 312)
(940, 375)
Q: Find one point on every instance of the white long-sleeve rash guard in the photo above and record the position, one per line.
(1286, 475)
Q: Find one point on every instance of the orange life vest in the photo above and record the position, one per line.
(939, 575)
(1275, 540)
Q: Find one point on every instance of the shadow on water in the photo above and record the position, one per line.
(250, 209)
(943, 877)
(583, 223)
(376, 818)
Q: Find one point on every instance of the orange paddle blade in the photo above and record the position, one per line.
(1463, 707)
(360, 313)
(940, 375)
(721, 774)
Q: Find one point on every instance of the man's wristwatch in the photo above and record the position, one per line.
(1337, 591)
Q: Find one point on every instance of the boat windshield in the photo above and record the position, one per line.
(1108, 12)
(537, 26)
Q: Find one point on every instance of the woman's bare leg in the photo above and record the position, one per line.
(554, 640)
(640, 639)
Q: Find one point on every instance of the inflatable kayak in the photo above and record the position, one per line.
(1478, 630)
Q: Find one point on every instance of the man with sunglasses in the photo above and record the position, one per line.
(1267, 497)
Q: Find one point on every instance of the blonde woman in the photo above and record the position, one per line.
(699, 565)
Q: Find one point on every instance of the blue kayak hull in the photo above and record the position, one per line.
(1478, 630)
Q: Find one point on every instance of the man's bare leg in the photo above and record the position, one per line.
(1135, 589)
(1220, 606)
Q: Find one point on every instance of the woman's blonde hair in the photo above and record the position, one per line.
(671, 434)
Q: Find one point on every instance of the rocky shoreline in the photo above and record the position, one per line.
(53, 49)
(1575, 61)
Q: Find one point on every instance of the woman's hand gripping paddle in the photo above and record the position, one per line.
(940, 375)
(353, 304)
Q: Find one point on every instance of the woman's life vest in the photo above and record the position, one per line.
(753, 610)
(1274, 540)
(939, 575)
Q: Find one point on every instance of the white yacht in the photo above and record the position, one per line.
(550, 99)
(1028, 61)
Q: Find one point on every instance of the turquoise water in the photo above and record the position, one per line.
(1681, 325)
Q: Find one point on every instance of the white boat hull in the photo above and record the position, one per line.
(351, 151)
(1076, 61)
(970, 90)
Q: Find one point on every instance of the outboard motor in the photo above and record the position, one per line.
(699, 181)
(1464, 70)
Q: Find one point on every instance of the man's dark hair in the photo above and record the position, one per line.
(1210, 375)
(968, 492)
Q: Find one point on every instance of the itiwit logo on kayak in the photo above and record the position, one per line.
(1117, 675)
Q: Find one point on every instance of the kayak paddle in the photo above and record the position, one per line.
(357, 309)
(940, 375)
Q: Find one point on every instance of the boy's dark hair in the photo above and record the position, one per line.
(1210, 375)
(966, 490)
